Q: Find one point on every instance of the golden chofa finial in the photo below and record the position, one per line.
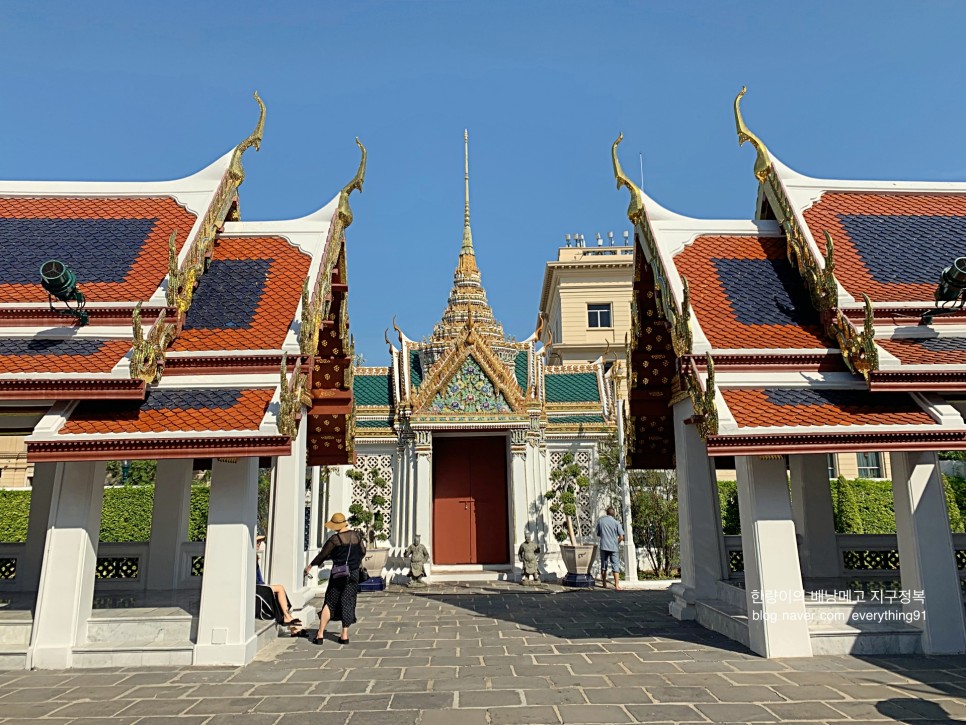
(467, 232)
(635, 210)
(345, 213)
(763, 162)
(235, 168)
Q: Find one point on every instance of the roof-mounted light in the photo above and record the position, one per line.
(59, 281)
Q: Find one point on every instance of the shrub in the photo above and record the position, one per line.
(847, 517)
(14, 514)
(952, 508)
(728, 502)
(875, 505)
(654, 506)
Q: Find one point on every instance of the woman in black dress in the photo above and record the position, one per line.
(345, 548)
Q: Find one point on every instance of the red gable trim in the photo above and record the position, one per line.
(835, 443)
(115, 315)
(120, 389)
(155, 448)
(952, 381)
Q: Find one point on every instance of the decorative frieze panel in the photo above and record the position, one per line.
(586, 527)
(365, 463)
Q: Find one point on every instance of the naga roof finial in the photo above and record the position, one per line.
(635, 210)
(235, 168)
(345, 213)
(763, 161)
(398, 332)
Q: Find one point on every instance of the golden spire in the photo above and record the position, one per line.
(467, 247)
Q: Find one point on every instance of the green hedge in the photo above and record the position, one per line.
(873, 498)
(125, 516)
(14, 512)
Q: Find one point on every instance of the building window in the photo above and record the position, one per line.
(870, 465)
(598, 316)
(833, 466)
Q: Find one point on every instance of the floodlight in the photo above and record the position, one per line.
(952, 282)
(59, 281)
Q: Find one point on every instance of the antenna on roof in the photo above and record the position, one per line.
(567, 237)
(626, 235)
(610, 238)
(600, 242)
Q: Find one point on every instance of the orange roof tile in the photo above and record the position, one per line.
(926, 351)
(117, 246)
(260, 279)
(761, 307)
(891, 247)
(101, 360)
(174, 410)
(801, 407)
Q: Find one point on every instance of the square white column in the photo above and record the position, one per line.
(777, 624)
(423, 495)
(286, 528)
(66, 593)
(519, 500)
(317, 508)
(927, 560)
(169, 522)
(41, 491)
(814, 516)
(699, 518)
(226, 624)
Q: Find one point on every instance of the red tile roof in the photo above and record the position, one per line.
(245, 414)
(916, 351)
(150, 262)
(273, 289)
(721, 318)
(910, 226)
(101, 361)
(800, 407)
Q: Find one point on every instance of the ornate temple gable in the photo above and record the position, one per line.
(474, 347)
(469, 391)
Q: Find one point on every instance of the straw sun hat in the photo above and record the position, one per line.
(337, 523)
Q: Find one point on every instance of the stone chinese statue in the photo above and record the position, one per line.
(418, 555)
(528, 553)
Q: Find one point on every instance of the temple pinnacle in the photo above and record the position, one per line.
(467, 247)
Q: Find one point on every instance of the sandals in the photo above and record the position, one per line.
(292, 623)
(343, 641)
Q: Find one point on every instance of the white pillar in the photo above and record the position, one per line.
(777, 626)
(814, 516)
(66, 593)
(699, 518)
(520, 519)
(226, 624)
(286, 534)
(317, 508)
(927, 561)
(41, 491)
(169, 522)
(423, 491)
(630, 550)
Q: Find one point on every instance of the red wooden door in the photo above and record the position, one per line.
(470, 510)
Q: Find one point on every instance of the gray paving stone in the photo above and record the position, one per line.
(172, 720)
(736, 713)
(219, 689)
(348, 703)
(203, 676)
(520, 716)
(422, 701)
(153, 692)
(246, 719)
(556, 696)
(488, 698)
(462, 683)
(445, 717)
(224, 705)
(746, 693)
(304, 703)
(618, 695)
(665, 713)
(593, 714)
(33, 694)
(517, 683)
(387, 686)
(803, 711)
(679, 694)
(396, 717)
(151, 708)
(100, 709)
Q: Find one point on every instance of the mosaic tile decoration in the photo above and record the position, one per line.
(63, 355)
(117, 247)
(469, 391)
(195, 409)
(801, 407)
(248, 298)
(893, 247)
(745, 294)
(926, 351)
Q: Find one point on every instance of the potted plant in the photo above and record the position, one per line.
(367, 517)
(568, 480)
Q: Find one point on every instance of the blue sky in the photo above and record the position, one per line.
(152, 91)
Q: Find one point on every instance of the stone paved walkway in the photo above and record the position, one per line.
(502, 655)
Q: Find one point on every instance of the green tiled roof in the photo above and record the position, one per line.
(372, 389)
(572, 388)
(589, 419)
(373, 424)
(415, 370)
(520, 369)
